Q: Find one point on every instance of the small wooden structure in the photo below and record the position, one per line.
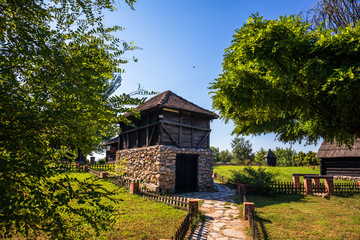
(168, 119)
(270, 158)
(339, 160)
(169, 145)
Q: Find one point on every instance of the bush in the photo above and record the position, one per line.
(257, 180)
(101, 161)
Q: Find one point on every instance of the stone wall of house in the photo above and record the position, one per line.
(156, 166)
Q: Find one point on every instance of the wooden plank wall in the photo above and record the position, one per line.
(175, 128)
(339, 166)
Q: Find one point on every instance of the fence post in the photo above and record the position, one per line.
(329, 185)
(103, 175)
(296, 181)
(134, 188)
(308, 186)
(248, 207)
(241, 188)
(193, 206)
(86, 168)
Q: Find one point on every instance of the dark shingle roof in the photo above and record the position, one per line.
(111, 141)
(169, 99)
(270, 154)
(328, 150)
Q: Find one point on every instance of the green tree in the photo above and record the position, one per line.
(298, 159)
(284, 156)
(241, 150)
(225, 156)
(310, 159)
(59, 64)
(281, 77)
(259, 157)
(216, 151)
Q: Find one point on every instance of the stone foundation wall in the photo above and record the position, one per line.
(156, 165)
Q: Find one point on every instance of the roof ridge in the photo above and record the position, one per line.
(169, 99)
(188, 101)
(165, 97)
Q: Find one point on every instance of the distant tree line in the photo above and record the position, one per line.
(242, 153)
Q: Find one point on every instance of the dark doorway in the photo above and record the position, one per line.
(186, 173)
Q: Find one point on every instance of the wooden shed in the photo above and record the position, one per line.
(270, 158)
(339, 160)
(169, 146)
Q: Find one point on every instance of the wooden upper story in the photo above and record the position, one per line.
(168, 119)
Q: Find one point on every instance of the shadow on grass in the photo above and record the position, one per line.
(262, 201)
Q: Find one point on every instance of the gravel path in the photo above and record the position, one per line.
(223, 221)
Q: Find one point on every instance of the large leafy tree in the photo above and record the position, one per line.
(281, 77)
(241, 149)
(59, 65)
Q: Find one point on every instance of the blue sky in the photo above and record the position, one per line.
(182, 49)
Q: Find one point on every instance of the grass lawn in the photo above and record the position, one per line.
(307, 217)
(284, 173)
(139, 218)
(133, 217)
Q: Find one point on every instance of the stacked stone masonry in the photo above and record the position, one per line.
(156, 166)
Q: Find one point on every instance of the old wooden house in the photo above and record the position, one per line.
(339, 160)
(169, 146)
(111, 148)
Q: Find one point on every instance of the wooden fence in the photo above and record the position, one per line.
(252, 223)
(184, 228)
(221, 179)
(339, 188)
(175, 201)
(106, 166)
(253, 226)
(287, 188)
(346, 188)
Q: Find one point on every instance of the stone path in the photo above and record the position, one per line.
(223, 221)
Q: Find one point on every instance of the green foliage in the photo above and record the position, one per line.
(284, 156)
(257, 179)
(216, 152)
(241, 149)
(280, 77)
(284, 174)
(225, 156)
(259, 157)
(102, 161)
(59, 65)
(308, 159)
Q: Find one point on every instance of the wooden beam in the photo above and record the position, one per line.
(138, 128)
(167, 122)
(169, 134)
(152, 134)
(192, 131)
(180, 128)
(137, 138)
(185, 125)
(207, 134)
